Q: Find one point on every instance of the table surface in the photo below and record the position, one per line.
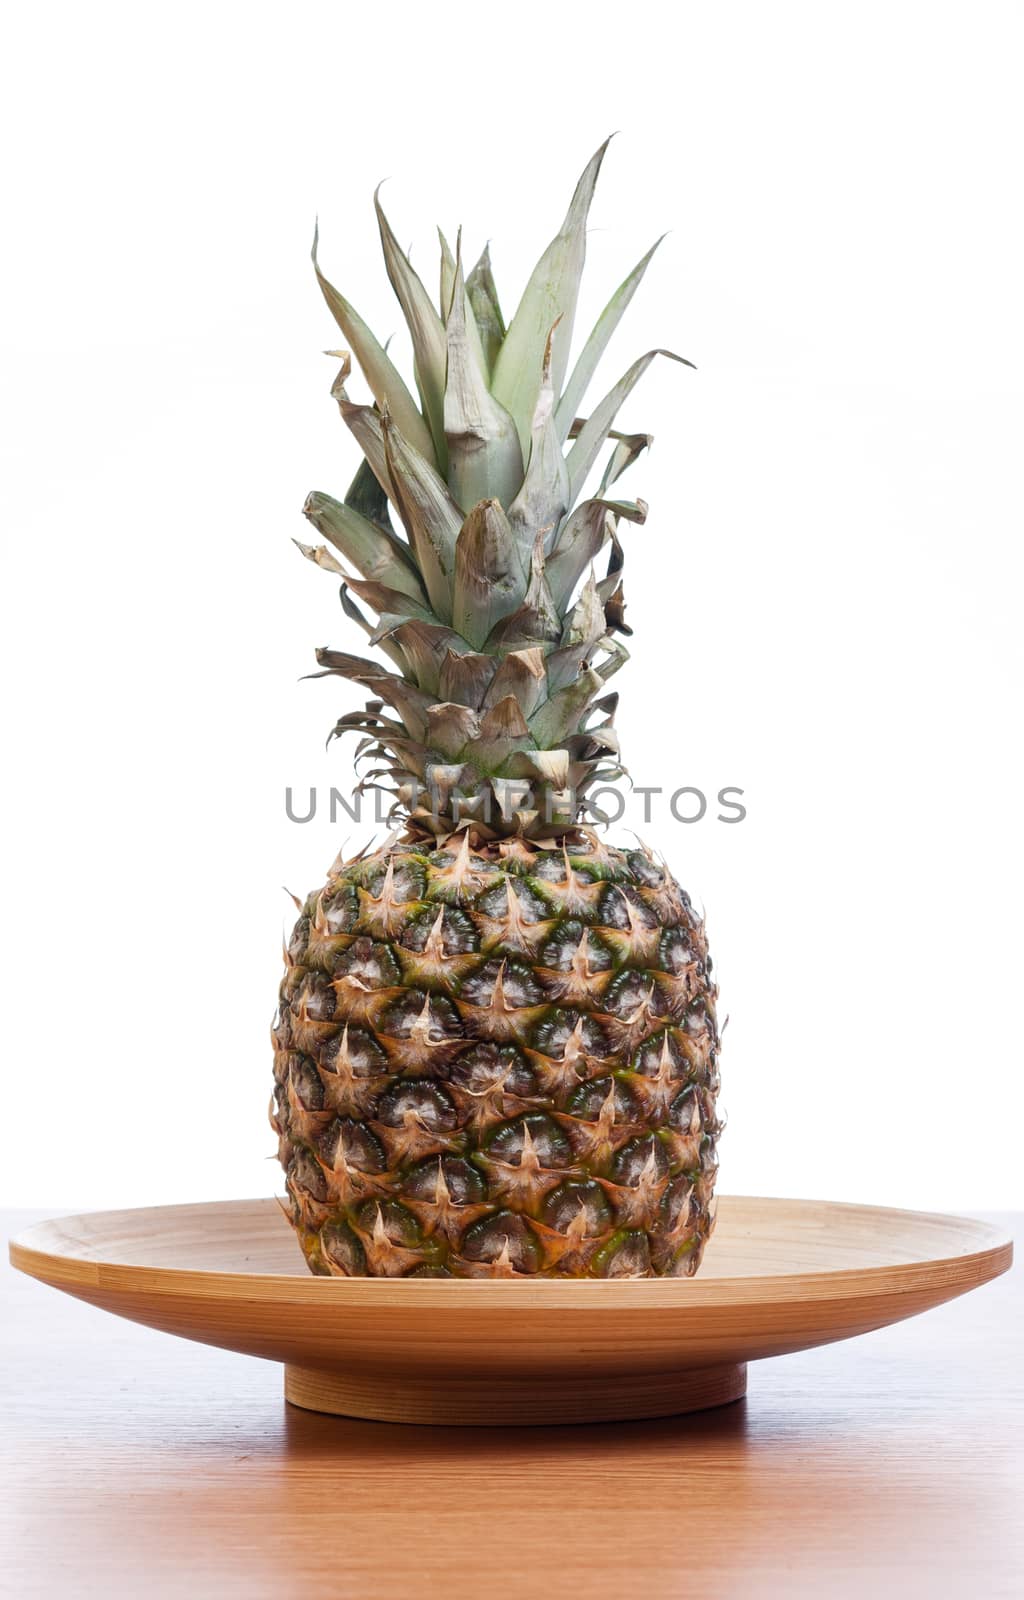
(138, 1464)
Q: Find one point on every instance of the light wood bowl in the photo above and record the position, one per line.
(779, 1275)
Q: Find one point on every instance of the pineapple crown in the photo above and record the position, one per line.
(497, 718)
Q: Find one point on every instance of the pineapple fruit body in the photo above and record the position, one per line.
(498, 1060)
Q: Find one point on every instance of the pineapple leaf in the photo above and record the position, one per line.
(426, 330)
(450, 727)
(560, 716)
(596, 345)
(502, 722)
(449, 266)
(522, 673)
(345, 665)
(549, 298)
(424, 645)
(484, 455)
(628, 510)
(466, 678)
(420, 496)
(354, 614)
(390, 602)
(544, 497)
(536, 620)
(598, 425)
(363, 422)
(372, 552)
(563, 666)
(410, 702)
(490, 575)
(366, 496)
(613, 599)
(320, 557)
(385, 381)
(431, 517)
(483, 297)
(580, 538)
(585, 623)
(551, 766)
(628, 446)
(447, 283)
(616, 657)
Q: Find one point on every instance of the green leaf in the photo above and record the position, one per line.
(613, 598)
(389, 602)
(447, 282)
(628, 510)
(563, 666)
(503, 719)
(449, 266)
(366, 496)
(385, 381)
(427, 332)
(344, 665)
(353, 612)
(585, 630)
(503, 730)
(363, 422)
(585, 623)
(465, 678)
(551, 766)
(484, 457)
(483, 297)
(450, 727)
(596, 345)
(521, 673)
(598, 425)
(424, 645)
(561, 715)
(411, 703)
(490, 577)
(432, 519)
(580, 538)
(544, 497)
(549, 297)
(536, 621)
(616, 656)
(371, 551)
(513, 795)
(628, 447)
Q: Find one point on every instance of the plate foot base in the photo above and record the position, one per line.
(466, 1401)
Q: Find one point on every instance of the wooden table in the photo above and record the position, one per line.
(136, 1464)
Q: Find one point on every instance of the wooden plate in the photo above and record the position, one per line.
(779, 1275)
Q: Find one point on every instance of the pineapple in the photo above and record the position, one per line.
(496, 1050)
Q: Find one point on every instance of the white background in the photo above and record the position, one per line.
(826, 597)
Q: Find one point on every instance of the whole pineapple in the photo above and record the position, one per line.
(496, 1050)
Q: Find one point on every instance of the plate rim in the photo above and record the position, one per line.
(990, 1256)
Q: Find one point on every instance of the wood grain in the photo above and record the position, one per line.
(780, 1276)
(476, 1400)
(135, 1464)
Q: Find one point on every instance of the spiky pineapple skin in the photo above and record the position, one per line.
(498, 1060)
